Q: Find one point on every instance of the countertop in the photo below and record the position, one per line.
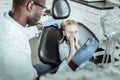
(102, 5)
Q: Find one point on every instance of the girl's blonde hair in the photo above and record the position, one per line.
(68, 22)
(63, 25)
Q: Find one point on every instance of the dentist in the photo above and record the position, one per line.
(15, 51)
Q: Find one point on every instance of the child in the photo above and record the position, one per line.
(69, 43)
(69, 40)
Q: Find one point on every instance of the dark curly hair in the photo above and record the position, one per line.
(17, 3)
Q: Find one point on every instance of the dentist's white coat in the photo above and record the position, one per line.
(15, 51)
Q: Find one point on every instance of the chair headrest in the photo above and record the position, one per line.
(60, 9)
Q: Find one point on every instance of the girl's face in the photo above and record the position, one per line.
(70, 29)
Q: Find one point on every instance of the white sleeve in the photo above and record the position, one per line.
(18, 67)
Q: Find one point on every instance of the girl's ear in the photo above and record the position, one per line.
(63, 33)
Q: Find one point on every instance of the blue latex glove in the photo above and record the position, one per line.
(85, 52)
(51, 22)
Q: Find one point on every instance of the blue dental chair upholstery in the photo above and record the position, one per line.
(85, 33)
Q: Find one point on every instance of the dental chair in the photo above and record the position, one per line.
(85, 33)
(48, 52)
(48, 48)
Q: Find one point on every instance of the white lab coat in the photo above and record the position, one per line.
(15, 51)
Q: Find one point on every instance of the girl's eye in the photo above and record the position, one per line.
(76, 31)
(70, 32)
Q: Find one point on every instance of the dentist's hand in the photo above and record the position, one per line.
(85, 52)
(51, 22)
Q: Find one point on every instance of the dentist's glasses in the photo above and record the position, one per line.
(43, 7)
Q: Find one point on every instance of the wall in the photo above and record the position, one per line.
(5, 5)
(114, 1)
